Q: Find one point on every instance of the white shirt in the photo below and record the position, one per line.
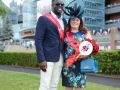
(60, 20)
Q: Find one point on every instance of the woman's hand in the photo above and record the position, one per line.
(88, 35)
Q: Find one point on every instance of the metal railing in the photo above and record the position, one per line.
(102, 38)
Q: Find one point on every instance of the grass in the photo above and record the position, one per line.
(22, 81)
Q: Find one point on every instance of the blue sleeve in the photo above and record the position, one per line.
(39, 35)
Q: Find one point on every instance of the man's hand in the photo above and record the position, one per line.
(43, 66)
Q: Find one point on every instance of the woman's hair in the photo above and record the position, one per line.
(81, 27)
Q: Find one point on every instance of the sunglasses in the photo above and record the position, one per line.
(58, 4)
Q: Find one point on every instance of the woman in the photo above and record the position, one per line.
(75, 34)
(71, 76)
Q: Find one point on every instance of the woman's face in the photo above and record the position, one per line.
(75, 23)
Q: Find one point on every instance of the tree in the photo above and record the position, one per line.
(7, 32)
(4, 9)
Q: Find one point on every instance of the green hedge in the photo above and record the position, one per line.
(109, 61)
(19, 59)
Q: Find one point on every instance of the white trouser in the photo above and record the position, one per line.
(49, 79)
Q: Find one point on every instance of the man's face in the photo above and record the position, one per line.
(58, 6)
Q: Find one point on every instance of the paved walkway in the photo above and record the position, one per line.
(108, 81)
(20, 48)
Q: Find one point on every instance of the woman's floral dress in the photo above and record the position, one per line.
(71, 76)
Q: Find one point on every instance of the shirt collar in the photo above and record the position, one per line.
(55, 15)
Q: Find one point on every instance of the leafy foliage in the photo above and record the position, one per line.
(19, 59)
(4, 9)
(7, 32)
(108, 61)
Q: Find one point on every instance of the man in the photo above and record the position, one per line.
(49, 38)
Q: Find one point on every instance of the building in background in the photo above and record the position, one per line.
(110, 35)
(112, 13)
(16, 11)
(16, 17)
(29, 13)
(13, 6)
(94, 14)
(101, 17)
(32, 9)
(43, 6)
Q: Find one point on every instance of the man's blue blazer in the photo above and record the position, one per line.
(47, 40)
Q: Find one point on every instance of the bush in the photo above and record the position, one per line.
(18, 59)
(109, 61)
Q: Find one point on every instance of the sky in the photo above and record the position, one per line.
(7, 2)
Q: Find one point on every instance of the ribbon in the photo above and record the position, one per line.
(75, 45)
(60, 30)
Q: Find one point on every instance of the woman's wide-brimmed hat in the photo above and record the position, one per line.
(74, 9)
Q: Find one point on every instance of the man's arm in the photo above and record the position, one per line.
(39, 35)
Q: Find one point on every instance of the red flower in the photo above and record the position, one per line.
(95, 46)
(71, 59)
